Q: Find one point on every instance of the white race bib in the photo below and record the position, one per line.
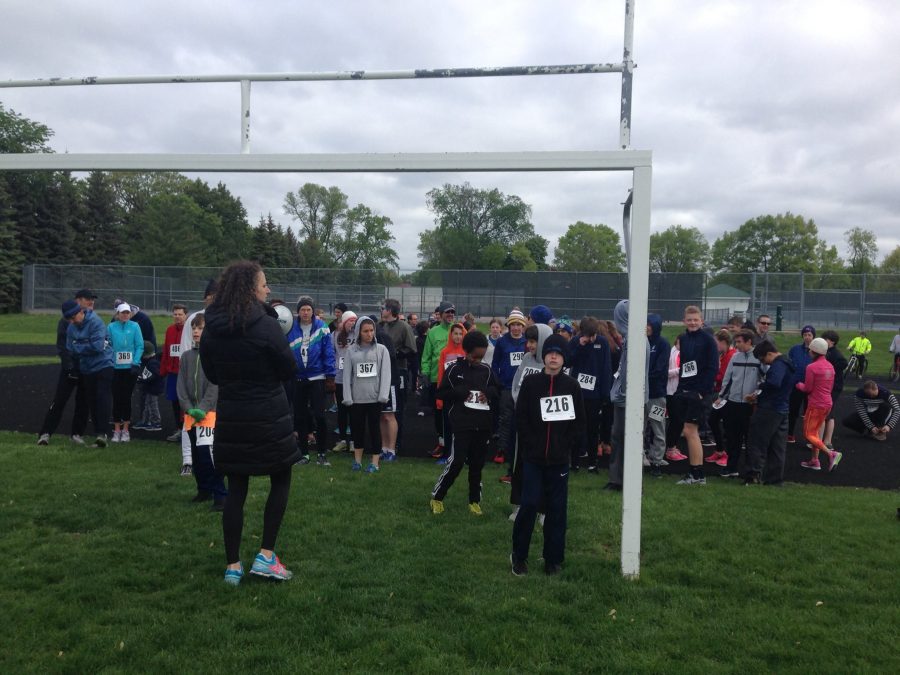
(586, 381)
(123, 358)
(341, 363)
(146, 374)
(175, 351)
(557, 408)
(657, 412)
(473, 402)
(529, 370)
(205, 436)
(366, 369)
(447, 364)
(718, 405)
(689, 369)
(515, 358)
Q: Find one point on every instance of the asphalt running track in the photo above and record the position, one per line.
(26, 391)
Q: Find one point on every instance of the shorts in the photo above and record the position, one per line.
(391, 405)
(835, 395)
(690, 407)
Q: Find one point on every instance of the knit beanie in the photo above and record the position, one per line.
(541, 314)
(516, 316)
(554, 343)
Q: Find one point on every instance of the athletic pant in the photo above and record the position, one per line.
(233, 515)
(815, 418)
(402, 387)
(365, 426)
(657, 448)
(715, 425)
(98, 390)
(766, 444)
(550, 484)
(617, 459)
(202, 460)
(675, 425)
(343, 413)
(438, 418)
(465, 446)
(66, 383)
(150, 408)
(879, 418)
(795, 407)
(309, 414)
(737, 425)
(507, 426)
(592, 412)
(122, 388)
(606, 423)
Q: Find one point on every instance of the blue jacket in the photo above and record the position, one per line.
(126, 338)
(320, 351)
(700, 348)
(503, 369)
(776, 387)
(89, 344)
(658, 375)
(592, 360)
(799, 356)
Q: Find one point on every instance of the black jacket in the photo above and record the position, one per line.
(459, 380)
(254, 425)
(548, 442)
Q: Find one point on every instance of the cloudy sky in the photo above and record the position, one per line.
(750, 107)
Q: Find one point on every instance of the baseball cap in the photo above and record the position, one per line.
(123, 307)
(446, 307)
(86, 293)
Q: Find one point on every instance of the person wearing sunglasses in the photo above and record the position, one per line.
(763, 324)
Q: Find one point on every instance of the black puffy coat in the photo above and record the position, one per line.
(254, 424)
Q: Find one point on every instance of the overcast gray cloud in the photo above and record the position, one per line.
(749, 107)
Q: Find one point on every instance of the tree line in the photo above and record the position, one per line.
(167, 219)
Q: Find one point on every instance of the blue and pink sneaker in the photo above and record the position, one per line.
(271, 568)
(233, 577)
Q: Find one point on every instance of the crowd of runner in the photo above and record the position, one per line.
(544, 396)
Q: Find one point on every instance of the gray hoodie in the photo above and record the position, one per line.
(618, 391)
(367, 370)
(531, 362)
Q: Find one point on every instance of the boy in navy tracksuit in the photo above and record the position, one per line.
(469, 391)
(657, 379)
(589, 363)
(767, 442)
(550, 422)
(150, 384)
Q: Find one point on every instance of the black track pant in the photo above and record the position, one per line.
(737, 425)
(465, 446)
(233, 515)
(122, 388)
(98, 388)
(65, 385)
(309, 414)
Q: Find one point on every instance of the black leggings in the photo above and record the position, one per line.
(122, 388)
(343, 413)
(365, 426)
(233, 515)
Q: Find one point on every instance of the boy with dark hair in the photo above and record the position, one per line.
(589, 361)
(550, 422)
(767, 441)
(469, 391)
(741, 379)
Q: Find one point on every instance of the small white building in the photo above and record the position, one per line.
(725, 300)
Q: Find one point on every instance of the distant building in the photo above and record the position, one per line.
(724, 300)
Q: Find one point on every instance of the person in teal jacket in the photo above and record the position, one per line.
(127, 345)
(88, 342)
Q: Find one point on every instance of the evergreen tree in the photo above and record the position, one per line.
(10, 257)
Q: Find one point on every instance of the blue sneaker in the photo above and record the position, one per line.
(371, 469)
(388, 456)
(356, 466)
(271, 568)
(233, 577)
(333, 408)
(442, 461)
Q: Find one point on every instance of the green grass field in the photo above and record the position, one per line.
(109, 568)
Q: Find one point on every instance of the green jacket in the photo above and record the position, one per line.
(435, 341)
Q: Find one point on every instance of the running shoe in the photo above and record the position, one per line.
(333, 408)
(371, 469)
(356, 466)
(675, 455)
(729, 473)
(77, 439)
(322, 460)
(723, 459)
(233, 577)
(499, 458)
(813, 464)
(691, 480)
(437, 506)
(153, 427)
(519, 567)
(707, 442)
(388, 456)
(44, 439)
(140, 426)
(475, 509)
(713, 458)
(834, 459)
(341, 446)
(116, 437)
(512, 516)
(174, 437)
(303, 460)
(101, 441)
(271, 568)
(752, 479)
(438, 451)
(443, 461)
(125, 436)
(187, 470)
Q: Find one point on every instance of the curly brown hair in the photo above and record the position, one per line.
(236, 294)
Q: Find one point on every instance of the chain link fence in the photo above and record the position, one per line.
(841, 300)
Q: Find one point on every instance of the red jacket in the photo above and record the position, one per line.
(170, 359)
(723, 365)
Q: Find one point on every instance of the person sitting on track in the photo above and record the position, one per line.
(876, 413)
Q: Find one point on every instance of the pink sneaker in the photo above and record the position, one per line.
(812, 464)
(723, 459)
(674, 455)
(713, 458)
(834, 458)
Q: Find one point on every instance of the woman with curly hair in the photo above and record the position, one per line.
(245, 352)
